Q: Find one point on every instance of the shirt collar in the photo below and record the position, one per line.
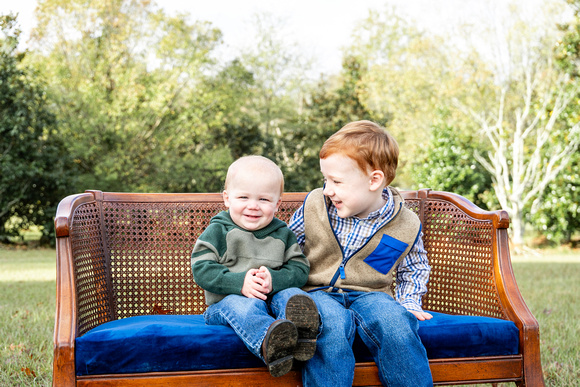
(386, 208)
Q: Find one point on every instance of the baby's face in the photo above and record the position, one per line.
(252, 200)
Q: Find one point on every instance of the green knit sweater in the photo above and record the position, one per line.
(224, 252)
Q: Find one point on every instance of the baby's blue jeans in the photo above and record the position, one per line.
(250, 317)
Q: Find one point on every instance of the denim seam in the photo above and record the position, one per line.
(256, 349)
(276, 312)
(368, 332)
(377, 359)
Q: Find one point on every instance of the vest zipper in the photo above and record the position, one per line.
(341, 269)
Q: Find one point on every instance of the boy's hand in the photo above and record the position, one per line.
(422, 315)
(257, 283)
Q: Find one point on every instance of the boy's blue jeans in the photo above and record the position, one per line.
(250, 317)
(387, 329)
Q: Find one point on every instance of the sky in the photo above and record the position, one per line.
(320, 27)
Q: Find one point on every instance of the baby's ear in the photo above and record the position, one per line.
(226, 198)
(377, 180)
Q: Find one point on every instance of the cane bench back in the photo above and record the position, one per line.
(131, 254)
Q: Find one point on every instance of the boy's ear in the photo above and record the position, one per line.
(377, 180)
(226, 198)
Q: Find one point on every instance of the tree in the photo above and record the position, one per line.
(558, 214)
(33, 163)
(526, 126)
(232, 120)
(231, 132)
(408, 76)
(448, 164)
(327, 108)
(279, 72)
(280, 88)
(127, 87)
(567, 51)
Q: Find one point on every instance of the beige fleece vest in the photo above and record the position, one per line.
(322, 249)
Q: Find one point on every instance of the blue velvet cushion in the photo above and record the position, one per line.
(180, 343)
(160, 343)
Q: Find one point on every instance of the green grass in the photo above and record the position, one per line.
(27, 306)
(551, 290)
(549, 281)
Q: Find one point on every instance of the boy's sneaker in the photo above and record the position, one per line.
(278, 347)
(302, 311)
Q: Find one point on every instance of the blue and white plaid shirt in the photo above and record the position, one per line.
(352, 233)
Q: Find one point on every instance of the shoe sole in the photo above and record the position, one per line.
(279, 343)
(302, 311)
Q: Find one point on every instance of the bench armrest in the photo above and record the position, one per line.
(66, 322)
(476, 268)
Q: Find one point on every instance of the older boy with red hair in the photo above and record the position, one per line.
(356, 232)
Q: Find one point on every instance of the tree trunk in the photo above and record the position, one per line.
(517, 227)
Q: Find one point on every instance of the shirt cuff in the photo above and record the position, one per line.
(411, 305)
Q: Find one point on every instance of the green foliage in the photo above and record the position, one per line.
(278, 71)
(231, 119)
(407, 78)
(272, 117)
(128, 89)
(524, 117)
(133, 99)
(558, 214)
(567, 50)
(448, 164)
(327, 110)
(32, 158)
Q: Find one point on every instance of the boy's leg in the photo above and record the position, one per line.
(333, 363)
(391, 334)
(297, 306)
(249, 318)
(279, 300)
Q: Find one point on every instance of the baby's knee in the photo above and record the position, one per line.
(243, 305)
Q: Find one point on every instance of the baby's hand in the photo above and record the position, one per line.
(264, 274)
(253, 285)
(422, 315)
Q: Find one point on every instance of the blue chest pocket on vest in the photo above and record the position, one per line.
(386, 254)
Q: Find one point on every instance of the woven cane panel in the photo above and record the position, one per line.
(150, 247)
(286, 210)
(460, 253)
(413, 205)
(90, 269)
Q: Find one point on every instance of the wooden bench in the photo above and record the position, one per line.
(121, 255)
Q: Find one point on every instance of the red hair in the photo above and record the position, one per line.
(368, 144)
